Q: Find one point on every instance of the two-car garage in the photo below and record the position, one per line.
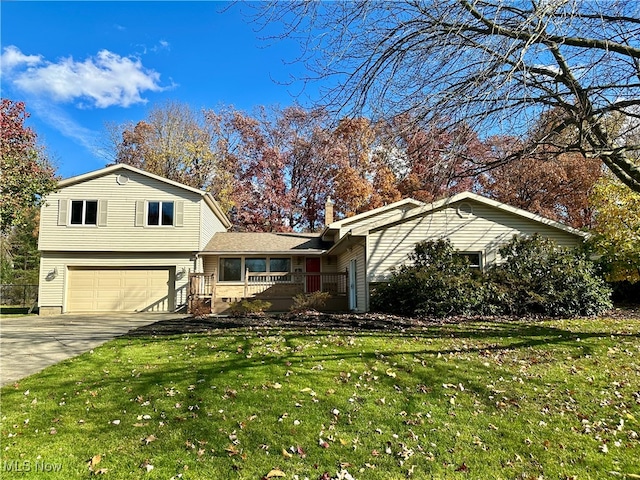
(104, 289)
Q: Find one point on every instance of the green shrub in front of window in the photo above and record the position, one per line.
(537, 277)
(436, 282)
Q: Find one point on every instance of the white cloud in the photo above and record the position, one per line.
(57, 118)
(12, 57)
(160, 46)
(105, 80)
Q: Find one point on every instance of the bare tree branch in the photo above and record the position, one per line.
(496, 65)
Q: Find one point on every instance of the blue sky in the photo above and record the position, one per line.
(79, 65)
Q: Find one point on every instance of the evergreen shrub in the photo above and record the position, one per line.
(536, 277)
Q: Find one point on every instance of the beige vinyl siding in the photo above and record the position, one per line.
(485, 231)
(209, 225)
(210, 264)
(118, 230)
(329, 264)
(357, 252)
(53, 289)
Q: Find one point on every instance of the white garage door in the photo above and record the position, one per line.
(118, 290)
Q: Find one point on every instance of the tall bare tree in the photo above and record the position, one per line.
(496, 65)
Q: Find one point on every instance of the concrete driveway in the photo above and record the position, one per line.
(30, 344)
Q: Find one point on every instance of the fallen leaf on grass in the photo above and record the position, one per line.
(275, 473)
(93, 461)
(232, 450)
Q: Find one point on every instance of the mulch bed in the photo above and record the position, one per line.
(306, 321)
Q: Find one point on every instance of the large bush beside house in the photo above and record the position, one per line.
(540, 277)
(437, 281)
(536, 277)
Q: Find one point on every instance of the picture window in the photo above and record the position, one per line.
(233, 269)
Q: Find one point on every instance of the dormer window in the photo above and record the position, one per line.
(84, 212)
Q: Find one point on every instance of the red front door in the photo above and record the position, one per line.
(313, 281)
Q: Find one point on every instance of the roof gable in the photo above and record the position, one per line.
(460, 198)
(208, 198)
(407, 203)
(121, 166)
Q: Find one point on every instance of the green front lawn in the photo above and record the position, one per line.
(553, 399)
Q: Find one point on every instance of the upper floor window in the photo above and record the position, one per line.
(84, 212)
(160, 213)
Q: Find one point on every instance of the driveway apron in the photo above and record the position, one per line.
(30, 344)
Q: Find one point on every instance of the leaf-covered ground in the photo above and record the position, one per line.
(323, 397)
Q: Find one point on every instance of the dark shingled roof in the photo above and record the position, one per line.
(240, 242)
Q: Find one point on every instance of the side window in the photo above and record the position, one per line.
(474, 259)
(84, 212)
(160, 213)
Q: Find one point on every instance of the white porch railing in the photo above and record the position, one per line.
(293, 283)
(202, 287)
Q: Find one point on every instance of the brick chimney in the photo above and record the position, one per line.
(328, 211)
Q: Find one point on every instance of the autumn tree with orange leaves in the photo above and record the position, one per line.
(548, 180)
